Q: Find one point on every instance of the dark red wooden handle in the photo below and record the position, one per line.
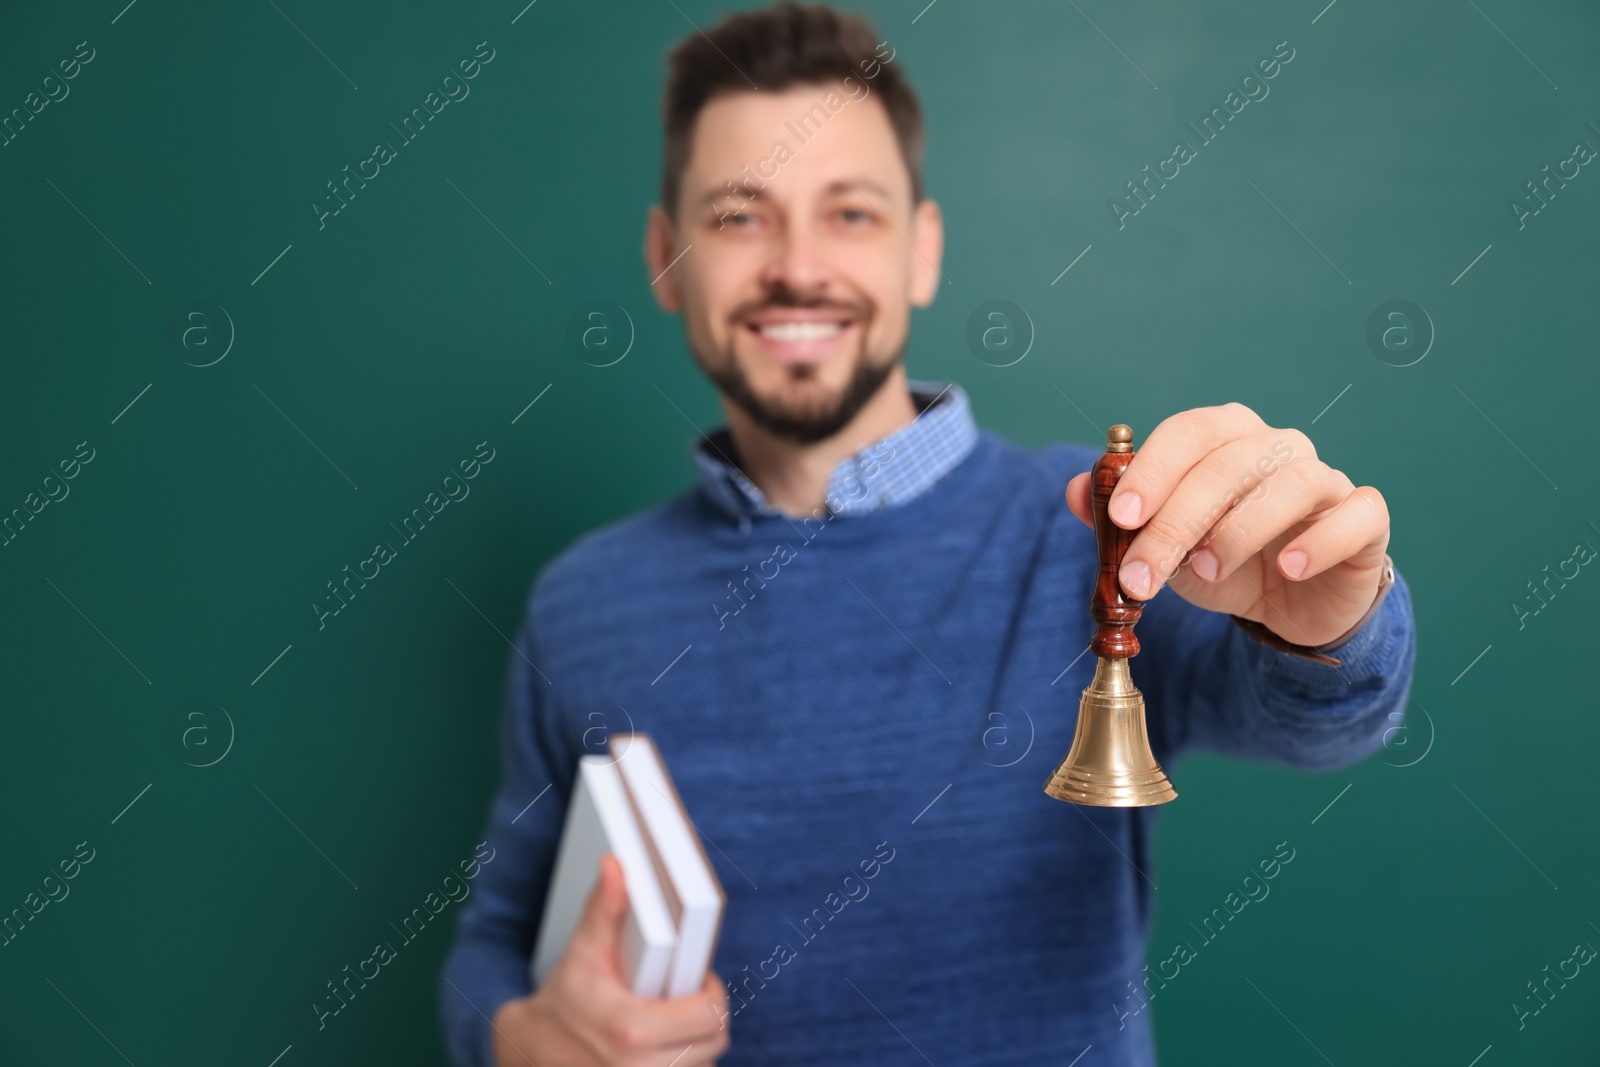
(1113, 612)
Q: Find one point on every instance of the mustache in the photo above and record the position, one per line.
(858, 310)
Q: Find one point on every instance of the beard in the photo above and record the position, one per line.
(801, 423)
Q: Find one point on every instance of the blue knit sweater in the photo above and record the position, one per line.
(864, 745)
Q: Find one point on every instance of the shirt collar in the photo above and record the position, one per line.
(886, 473)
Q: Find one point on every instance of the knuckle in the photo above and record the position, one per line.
(1370, 498)
(1195, 425)
(1178, 426)
(1254, 485)
(1303, 472)
(1219, 422)
(1144, 475)
(1163, 532)
(1236, 411)
(1234, 529)
(1145, 467)
(622, 1035)
(1300, 442)
(1177, 418)
(1210, 417)
(1168, 540)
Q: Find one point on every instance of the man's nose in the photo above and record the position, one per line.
(797, 262)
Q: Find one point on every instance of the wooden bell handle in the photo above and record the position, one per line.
(1113, 612)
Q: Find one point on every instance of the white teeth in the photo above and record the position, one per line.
(800, 331)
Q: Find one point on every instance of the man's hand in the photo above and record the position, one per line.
(585, 1014)
(1242, 518)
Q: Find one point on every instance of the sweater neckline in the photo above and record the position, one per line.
(974, 473)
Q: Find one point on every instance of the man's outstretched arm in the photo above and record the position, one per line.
(1209, 685)
(1242, 518)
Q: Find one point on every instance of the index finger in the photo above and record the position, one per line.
(661, 1021)
(1171, 450)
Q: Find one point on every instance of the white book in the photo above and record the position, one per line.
(694, 897)
(601, 819)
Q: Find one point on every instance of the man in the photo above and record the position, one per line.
(825, 636)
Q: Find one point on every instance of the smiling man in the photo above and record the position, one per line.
(897, 610)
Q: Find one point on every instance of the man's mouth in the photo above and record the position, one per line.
(799, 331)
(800, 336)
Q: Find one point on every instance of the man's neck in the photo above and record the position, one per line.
(794, 477)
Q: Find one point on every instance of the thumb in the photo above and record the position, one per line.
(1078, 499)
(600, 927)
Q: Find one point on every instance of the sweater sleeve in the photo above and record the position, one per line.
(488, 962)
(1209, 685)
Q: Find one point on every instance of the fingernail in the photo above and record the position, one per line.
(1294, 563)
(1124, 510)
(1136, 579)
(1204, 563)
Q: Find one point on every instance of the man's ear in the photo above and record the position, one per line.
(927, 241)
(659, 240)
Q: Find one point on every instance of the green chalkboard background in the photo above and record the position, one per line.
(156, 617)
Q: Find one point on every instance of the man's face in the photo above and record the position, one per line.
(796, 300)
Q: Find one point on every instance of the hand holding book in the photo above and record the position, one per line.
(585, 1013)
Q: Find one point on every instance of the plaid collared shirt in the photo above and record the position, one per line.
(887, 472)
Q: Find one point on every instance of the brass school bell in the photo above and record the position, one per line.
(1110, 764)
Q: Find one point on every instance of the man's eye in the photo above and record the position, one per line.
(855, 216)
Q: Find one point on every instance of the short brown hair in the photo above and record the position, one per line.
(773, 49)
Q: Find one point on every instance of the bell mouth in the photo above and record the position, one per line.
(1077, 786)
